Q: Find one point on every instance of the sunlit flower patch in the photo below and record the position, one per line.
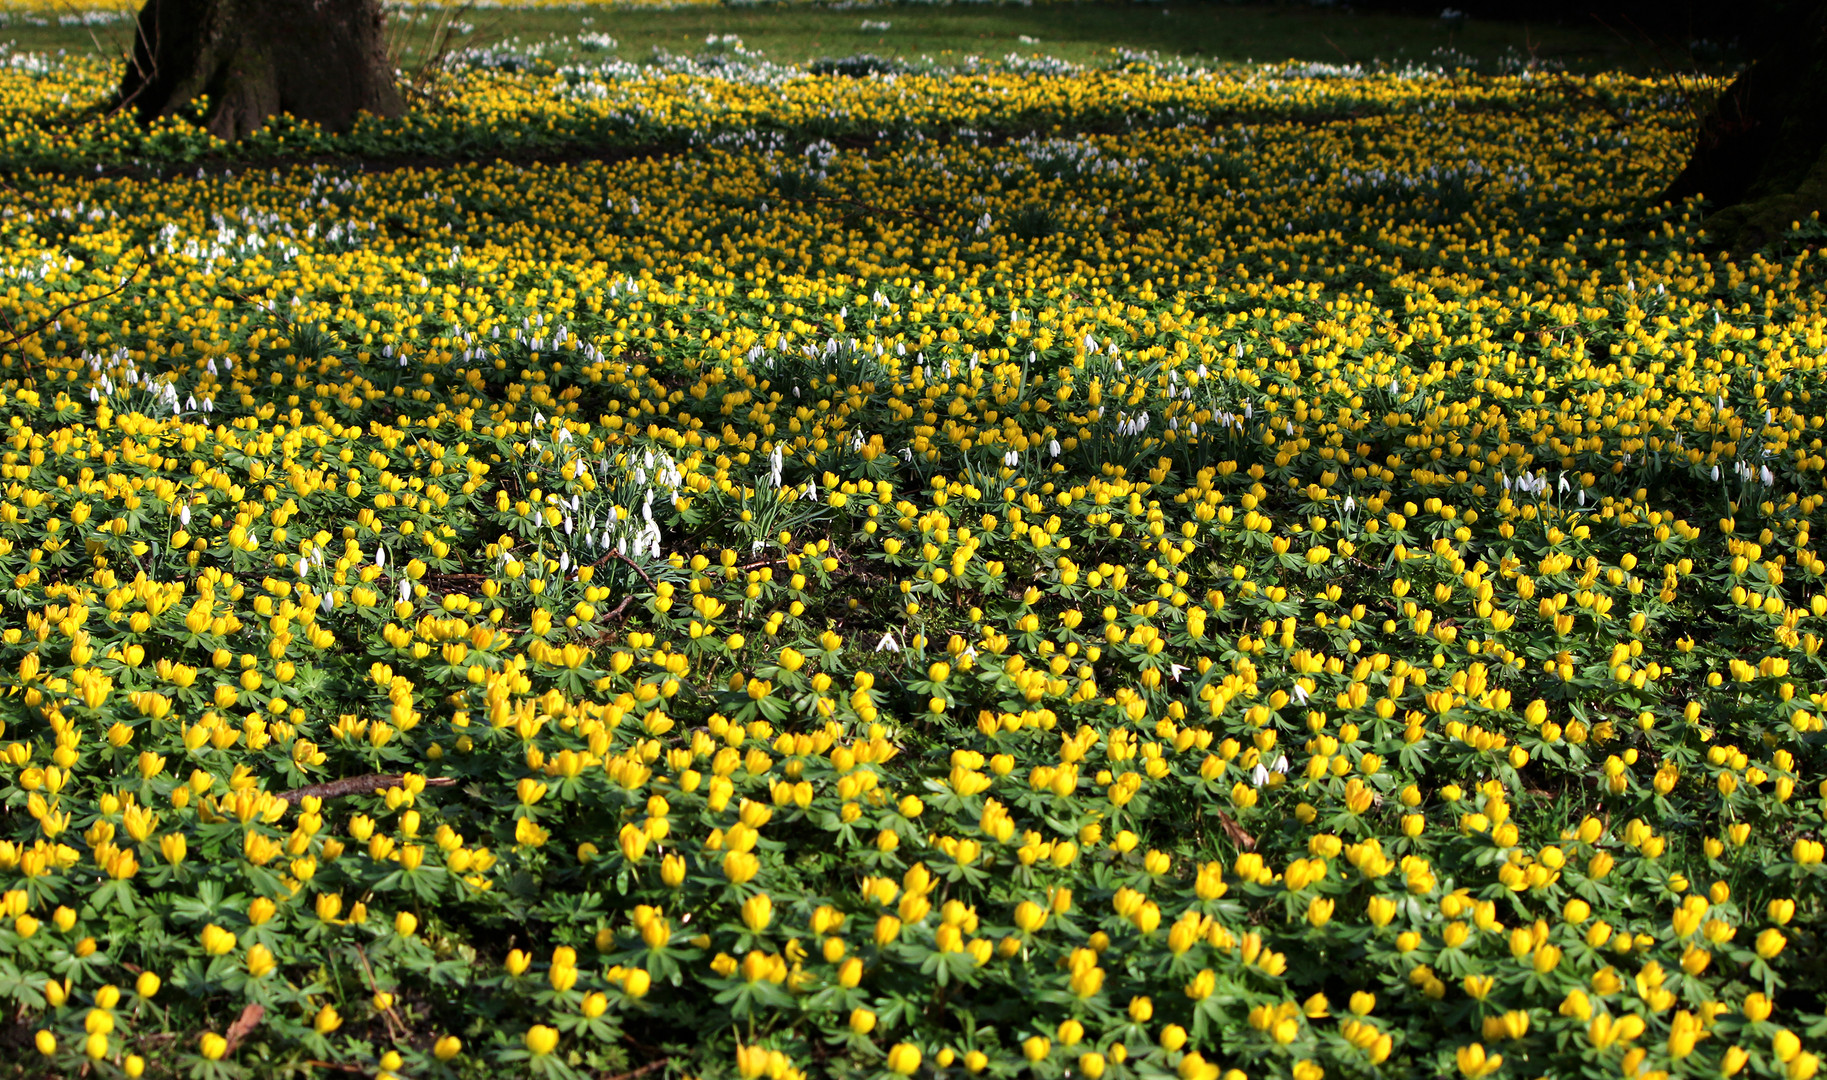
(1259, 574)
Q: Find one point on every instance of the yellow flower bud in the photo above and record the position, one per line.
(541, 1040)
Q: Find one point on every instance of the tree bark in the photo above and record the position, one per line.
(1760, 156)
(319, 60)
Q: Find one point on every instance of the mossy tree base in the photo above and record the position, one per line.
(1760, 157)
(319, 60)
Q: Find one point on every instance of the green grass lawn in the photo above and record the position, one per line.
(1074, 32)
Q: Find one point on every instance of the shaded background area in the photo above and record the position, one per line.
(1580, 35)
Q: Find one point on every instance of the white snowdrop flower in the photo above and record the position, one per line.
(1582, 499)
(184, 515)
(380, 557)
(405, 590)
(887, 644)
(1715, 472)
(1259, 775)
(1011, 459)
(1300, 693)
(1766, 475)
(1351, 504)
(1249, 413)
(568, 525)
(1176, 670)
(539, 419)
(304, 566)
(1053, 447)
(564, 561)
(1564, 485)
(324, 602)
(1281, 764)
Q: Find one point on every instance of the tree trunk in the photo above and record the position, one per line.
(319, 60)
(1760, 157)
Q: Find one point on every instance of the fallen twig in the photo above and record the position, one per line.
(358, 785)
(394, 1023)
(22, 335)
(613, 554)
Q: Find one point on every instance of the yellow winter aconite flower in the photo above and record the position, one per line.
(217, 941)
(904, 1059)
(1473, 1062)
(757, 912)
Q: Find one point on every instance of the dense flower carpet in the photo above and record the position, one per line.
(1002, 569)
